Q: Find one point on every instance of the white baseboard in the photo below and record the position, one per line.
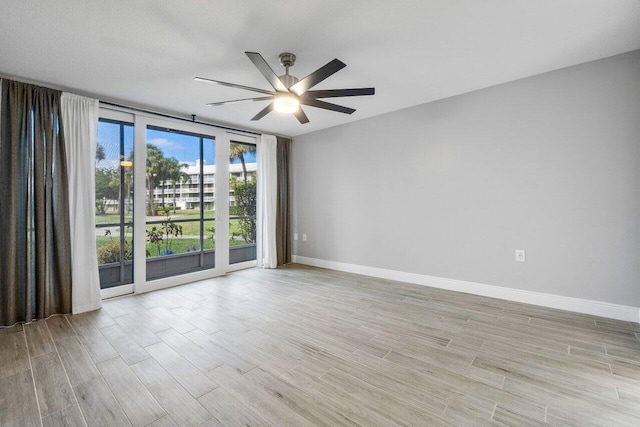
(578, 305)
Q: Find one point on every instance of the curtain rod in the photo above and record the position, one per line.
(127, 107)
(169, 116)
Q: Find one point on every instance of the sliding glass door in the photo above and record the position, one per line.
(175, 202)
(180, 202)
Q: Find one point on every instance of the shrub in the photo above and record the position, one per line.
(167, 231)
(245, 196)
(110, 252)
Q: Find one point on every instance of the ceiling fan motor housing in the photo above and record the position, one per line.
(288, 80)
(287, 59)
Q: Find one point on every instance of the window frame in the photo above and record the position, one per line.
(141, 120)
(127, 288)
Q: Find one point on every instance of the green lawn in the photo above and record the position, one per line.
(190, 232)
(178, 245)
(114, 218)
(111, 218)
(188, 228)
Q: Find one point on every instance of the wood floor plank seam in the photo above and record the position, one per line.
(33, 379)
(66, 374)
(71, 326)
(322, 347)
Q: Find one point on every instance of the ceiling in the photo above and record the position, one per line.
(145, 53)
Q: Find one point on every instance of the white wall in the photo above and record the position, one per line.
(549, 164)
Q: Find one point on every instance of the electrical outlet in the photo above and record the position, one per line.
(304, 237)
(295, 236)
(521, 256)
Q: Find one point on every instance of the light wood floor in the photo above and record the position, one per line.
(301, 346)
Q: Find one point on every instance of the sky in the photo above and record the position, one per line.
(183, 147)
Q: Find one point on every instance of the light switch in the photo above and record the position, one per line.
(521, 255)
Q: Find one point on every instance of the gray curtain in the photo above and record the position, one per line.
(35, 267)
(283, 224)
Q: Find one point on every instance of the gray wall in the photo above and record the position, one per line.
(549, 164)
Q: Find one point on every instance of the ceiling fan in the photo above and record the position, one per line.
(290, 92)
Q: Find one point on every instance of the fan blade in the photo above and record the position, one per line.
(337, 93)
(254, 89)
(301, 116)
(317, 76)
(266, 110)
(326, 105)
(266, 71)
(262, 98)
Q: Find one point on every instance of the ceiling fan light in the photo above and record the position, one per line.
(286, 104)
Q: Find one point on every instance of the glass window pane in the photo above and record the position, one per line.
(209, 172)
(180, 175)
(242, 202)
(173, 193)
(114, 202)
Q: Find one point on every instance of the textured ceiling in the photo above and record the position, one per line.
(146, 53)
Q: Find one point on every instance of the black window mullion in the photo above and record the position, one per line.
(120, 207)
(201, 202)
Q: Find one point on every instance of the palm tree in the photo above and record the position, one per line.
(169, 169)
(164, 168)
(100, 154)
(128, 182)
(154, 166)
(237, 151)
(176, 175)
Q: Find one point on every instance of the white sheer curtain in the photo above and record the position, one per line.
(267, 199)
(80, 122)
